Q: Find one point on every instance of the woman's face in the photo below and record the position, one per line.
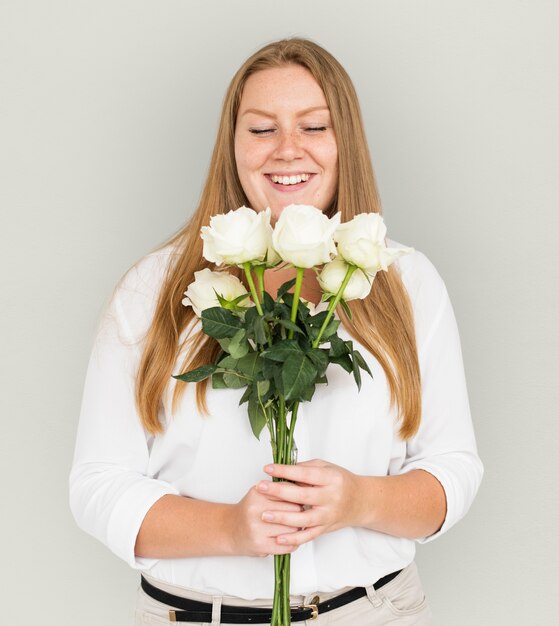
(285, 146)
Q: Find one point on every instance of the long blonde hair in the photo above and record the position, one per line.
(383, 322)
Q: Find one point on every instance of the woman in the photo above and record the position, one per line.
(170, 477)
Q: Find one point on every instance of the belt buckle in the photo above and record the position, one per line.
(313, 607)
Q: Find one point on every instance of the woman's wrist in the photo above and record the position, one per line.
(409, 505)
(367, 501)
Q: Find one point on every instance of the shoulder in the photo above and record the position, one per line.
(425, 287)
(419, 275)
(146, 275)
(135, 296)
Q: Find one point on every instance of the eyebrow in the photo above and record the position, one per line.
(268, 114)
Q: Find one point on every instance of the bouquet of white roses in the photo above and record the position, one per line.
(277, 349)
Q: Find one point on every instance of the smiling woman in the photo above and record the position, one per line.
(285, 146)
(169, 475)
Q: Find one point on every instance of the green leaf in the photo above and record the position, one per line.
(246, 395)
(232, 305)
(250, 364)
(288, 299)
(318, 319)
(308, 393)
(319, 359)
(356, 373)
(286, 287)
(217, 381)
(303, 311)
(354, 364)
(256, 417)
(344, 361)
(224, 343)
(331, 329)
(228, 363)
(259, 329)
(282, 350)
(219, 323)
(198, 374)
(268, 303)
(290, 325)
(235, 380)
(282, 311)
(346, 308)
(240, 298)
(361, 362)
(238, 346)
(278, 380)
(268, 368)
(263, 386)
(251, 315)
(297, 373)
(337, 347)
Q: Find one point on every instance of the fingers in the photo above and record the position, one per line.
(255, 537)
(266, 539)
(304, 495)
(302, 519)
(309, 472)
(296, 539)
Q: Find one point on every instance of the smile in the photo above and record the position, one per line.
(290, 180)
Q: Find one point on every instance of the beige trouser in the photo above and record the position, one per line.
(400, 602)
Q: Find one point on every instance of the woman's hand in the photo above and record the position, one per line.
(328, 495)
(410, 505)
(251, 534)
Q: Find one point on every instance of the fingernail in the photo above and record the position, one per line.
(267, 517)
(263, 486)
(269, 469)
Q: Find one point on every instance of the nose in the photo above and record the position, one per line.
(289, 146)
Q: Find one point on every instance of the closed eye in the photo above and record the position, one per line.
(261, 131)
(316, 129)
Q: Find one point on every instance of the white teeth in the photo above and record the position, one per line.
(290, 180)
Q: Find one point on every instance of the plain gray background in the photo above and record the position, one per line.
(108, 112)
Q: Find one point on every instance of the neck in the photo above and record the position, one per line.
(310, 291)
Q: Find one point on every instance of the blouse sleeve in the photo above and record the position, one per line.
(445, 443)
(110, 487)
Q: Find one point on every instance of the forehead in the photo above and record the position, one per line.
(291, 85)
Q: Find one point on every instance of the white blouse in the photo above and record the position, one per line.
(120, 471)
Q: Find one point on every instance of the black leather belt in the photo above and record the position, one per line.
(186, 610)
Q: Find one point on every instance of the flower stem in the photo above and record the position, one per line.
(276, 621)
(334, 303)
(296, 295)
(280, 420)
(248, 267)
(285, 585)
(291, 432)
(259, 271)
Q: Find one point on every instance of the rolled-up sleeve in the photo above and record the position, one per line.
(110, 487)
(445, 444)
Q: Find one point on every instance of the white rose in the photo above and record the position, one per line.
(333, 274)
(361, 242)
(238, 237)
(303, 236)
(272, 257)
(201, 294)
